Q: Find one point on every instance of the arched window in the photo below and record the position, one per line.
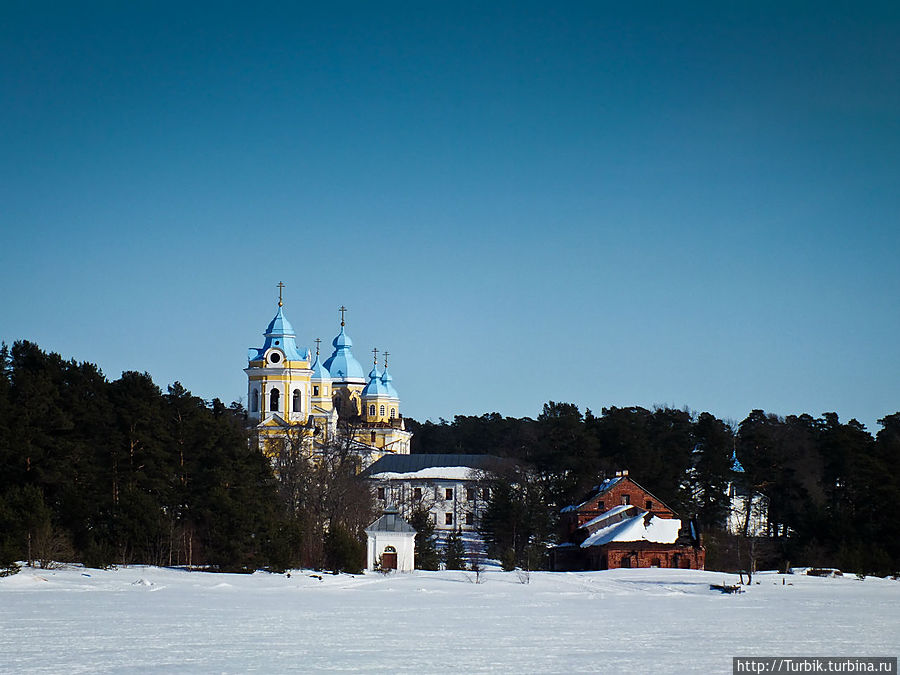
(381, 411)
(296, 401)
(372, 410)
(393, 413)
(390, 549)
(273, 400)
(254, 401)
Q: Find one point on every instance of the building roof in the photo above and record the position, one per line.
(641, 527)
(319, 371)
(342, 364)
(596, 491)
(375, 388)
(386, 380)
(607, 485)
(391, 522)
(280, 335)
(419, 462)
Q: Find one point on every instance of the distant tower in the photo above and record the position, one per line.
(280, 382)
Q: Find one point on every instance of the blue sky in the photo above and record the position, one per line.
(602, 203)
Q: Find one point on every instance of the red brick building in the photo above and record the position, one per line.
(621, 524)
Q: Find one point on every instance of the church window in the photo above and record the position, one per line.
(600, 505)
(470, 494)
(448, 493)
(486, 494)
(381, 494)
(417, 493)
(649, 504)
(373, 436)
(381, 411)
(470, 519)
(273, 400)
(393, 413)
(390, 549)
(254, 401)
(315, 391)
(274, 357)
(372, 410)
(448, 519)
(296, 400)
(626, 500)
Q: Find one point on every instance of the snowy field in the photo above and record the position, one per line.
(145, 619)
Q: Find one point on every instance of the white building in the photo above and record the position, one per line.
(447, 486)
(391, 543)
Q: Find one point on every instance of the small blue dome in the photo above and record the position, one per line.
(376, 386)
(342, 340)
(280, 335)
(280, 325)
(320, 373)
(386, 380)
(342, 365)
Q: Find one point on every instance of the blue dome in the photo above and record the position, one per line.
(319, 371)
(342, 364)
(280, 335)
(342, 340)
(386, 380)
(375, 387)
(280, 325)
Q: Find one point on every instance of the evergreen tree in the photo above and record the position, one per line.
(454, 552)
(426, 553)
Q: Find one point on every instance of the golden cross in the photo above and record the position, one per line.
(280, 288)
(318, 340)
(375, 352)
(342, 310)
(386, 354)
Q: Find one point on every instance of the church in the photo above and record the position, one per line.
(292, 396)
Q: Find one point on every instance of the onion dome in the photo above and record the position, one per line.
(375, 387)
(386, 381)
(342, 365)
(320, 373)
(280, 335)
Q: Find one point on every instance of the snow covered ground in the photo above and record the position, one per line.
(145, 619)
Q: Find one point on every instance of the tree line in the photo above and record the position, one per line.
(116, 472)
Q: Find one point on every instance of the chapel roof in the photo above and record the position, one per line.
(391, 522)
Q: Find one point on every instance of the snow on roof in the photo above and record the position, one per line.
(657, 530)
(407, 464)
(445, 472)
(607, 514)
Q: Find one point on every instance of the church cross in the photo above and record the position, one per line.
(386, 354)
(342, 310)
(280, 288)
(318, 340)
(375, 352)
